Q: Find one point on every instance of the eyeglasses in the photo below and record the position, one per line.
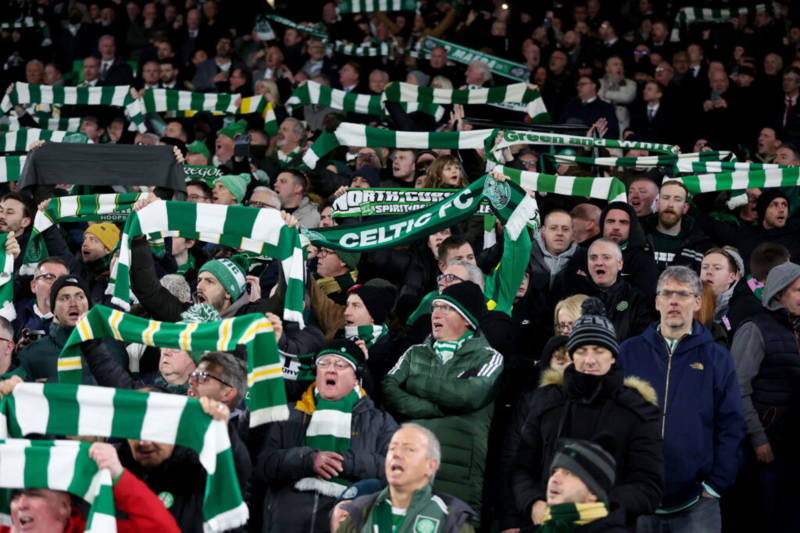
(337, 363)
(680, 295)
(529, 163)
(196, 197)
(256, 203)
(562, 325)
(46, 277)
(202, 376)
(4, 339)
(448, 278)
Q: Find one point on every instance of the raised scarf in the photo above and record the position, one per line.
(369, 334)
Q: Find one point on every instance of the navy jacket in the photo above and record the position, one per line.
(702, 422)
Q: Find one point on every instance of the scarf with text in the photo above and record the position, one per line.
(82, 410)
(255, 230)
(511, 138)
(266, 399)
(427, 513)
(516, 93)
(314, 31)
(61, 465)
(464, 55)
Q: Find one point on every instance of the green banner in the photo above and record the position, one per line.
(462, 54)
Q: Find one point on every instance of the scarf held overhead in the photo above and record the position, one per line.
(80, 410)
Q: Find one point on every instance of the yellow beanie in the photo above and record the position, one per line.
(106, 232)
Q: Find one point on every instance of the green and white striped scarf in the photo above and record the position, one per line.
(371, 49)
(27, 22)
(516, 93)
(445, 350)
(266, 396)
(682, 160)
(18, 141)
(117, 96)
(329, 430)
(511, 138)
(160, 100)
(62, 465)
(350, 134)
(255, 230)
(370, 6)
(465, 55)
(48, 122)
(11, 167)
(82, 410)
(610, 189)
(689, 15)
(311, 30)
(259, 104)
(7, 309)
(740, 180)
(83, 208)
(369, 334)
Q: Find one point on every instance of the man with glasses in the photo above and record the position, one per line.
(334, 436)
(448, 385)
(264, 198)
(34, 314)
(701, 422)
(198, 192)
(6, 345)
(587, 108)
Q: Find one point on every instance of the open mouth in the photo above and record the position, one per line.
(330, 382)
(599, 272)
(348, 322)
(396, 468)
(200, 298)
(74, 314)
(437, 326)
(25, 520)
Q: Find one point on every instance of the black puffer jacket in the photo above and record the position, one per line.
(285, 460)
(606, 408)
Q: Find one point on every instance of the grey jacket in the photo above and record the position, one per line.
(544, 262)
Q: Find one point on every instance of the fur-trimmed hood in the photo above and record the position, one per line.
(645, 390)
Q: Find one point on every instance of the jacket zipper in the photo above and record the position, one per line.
(666, 394)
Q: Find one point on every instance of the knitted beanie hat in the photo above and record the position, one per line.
(230, 273)
(106, 232)
(234, 129)
(236, 184)
(372, 175)
(765, 199)
(347, 350)
(593, 327)
(199, 147)
(66, 281)
(350, 259)
(467, 299)
(378, 300)
(590, 462)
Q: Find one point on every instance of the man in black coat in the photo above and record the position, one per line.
(587, 108)
(113, 70)
(651, 118)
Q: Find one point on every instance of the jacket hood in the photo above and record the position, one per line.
(542, 250)
(645, 390)
(636, 237)
(699, 335)
(778, 279)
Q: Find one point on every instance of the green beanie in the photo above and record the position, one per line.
(236, 184)
(234, 129)
(199, 147)
(350, 259)
(230, 273)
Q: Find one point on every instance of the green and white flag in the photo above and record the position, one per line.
(309, 29)
(370, 6)
(350, 134)
(690, 15)
(61, 465)
(7, 309)
(266, 397)
(18, 141)
(82, 410)
(259, 104)
(83, 208)
(740, 180)
(372, 49)
(681, 160)
(511, 137)
(464, 55)
(517, 93)
(610, 189)
(255, 230)
(161, 100)
(11, 167)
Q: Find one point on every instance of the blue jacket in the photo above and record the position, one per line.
(702, 422)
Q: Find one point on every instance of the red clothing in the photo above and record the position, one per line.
(131, 496)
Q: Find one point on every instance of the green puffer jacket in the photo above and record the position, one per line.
(455, 401)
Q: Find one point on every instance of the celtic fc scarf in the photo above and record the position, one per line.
(11, 167)
(116, 96)
(62, 465)
(266, 396)
(372, 49)
(48, 122)
(427, 513)
(18, 141)
(445, 350)
(7, 309)
(259, 104)
(160, 100)
(329, 431)
(556, 139)
(464, 55)
(641, 162)
(60, 409)
(611, 189)
(689, 15)
(90, 207)
(736, 180)
(311, 30)
(566, 517)
(369, 334)
(370, 6)
(255, 230)
(516, 93)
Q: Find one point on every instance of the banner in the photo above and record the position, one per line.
(464, 55)
(380, 201)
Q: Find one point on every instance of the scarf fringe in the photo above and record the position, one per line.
(326, 488)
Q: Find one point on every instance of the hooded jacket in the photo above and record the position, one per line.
(701, 411)
(617, 409)
(546, 266)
